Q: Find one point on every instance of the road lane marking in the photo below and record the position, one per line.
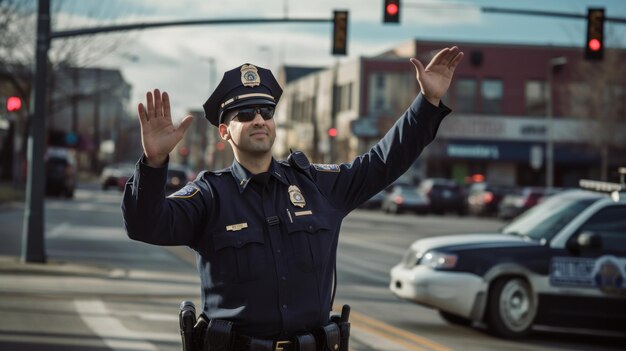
(58, 230)
(382, 340)
(394, 334)
(112, 332)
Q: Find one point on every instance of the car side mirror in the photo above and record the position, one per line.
(589, 240)
(584, 240)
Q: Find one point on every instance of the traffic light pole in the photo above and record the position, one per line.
(33, 240)
(33, 243)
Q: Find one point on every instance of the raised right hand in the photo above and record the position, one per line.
(158, 134)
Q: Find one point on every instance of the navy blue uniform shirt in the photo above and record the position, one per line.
(267, 247)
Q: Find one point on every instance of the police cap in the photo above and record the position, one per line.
(242, 86)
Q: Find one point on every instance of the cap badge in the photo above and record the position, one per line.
(296, 196)
(250, 76)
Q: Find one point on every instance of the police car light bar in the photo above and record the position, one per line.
(596, 185)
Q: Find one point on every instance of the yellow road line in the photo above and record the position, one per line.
(372, 324)
(409, 345)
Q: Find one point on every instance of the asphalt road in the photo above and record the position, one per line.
(99, 307)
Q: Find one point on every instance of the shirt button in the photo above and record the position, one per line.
(239, 242)
(285, 306)
(283, 278)
(310, 227)
(278, 251)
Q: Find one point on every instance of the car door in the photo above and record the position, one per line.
(592, 273)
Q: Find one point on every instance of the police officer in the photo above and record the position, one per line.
(266, 231)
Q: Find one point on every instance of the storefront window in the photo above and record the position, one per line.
(465, 90)
(535, 98)
(491, 92)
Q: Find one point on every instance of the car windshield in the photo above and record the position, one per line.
(545, 220)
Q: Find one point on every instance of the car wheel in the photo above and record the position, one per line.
(512, 308)
(454, 319)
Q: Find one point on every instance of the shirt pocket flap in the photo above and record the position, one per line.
(238, 239)
(307, 224)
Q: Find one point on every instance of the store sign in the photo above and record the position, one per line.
(473, 151)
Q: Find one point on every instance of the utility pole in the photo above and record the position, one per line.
(33, 249)
(33, 243)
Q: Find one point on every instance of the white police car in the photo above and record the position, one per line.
(563, 263)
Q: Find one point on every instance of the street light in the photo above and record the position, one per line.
(554, 64)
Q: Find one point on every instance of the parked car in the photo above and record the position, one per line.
(445, 195)
(484, 198)
(562, 263)
(177, 177)
(61, 171)
(403, 197)
(520, 200)
(375, 202)
(112, 173)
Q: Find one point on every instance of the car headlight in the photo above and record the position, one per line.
(436, 260)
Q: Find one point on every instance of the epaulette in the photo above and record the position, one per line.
(299, 161)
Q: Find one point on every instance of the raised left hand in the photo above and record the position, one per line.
(434, 80)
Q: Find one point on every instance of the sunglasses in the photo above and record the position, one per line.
(248, 114)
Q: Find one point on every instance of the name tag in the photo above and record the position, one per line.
(236, 227)
(303, 213)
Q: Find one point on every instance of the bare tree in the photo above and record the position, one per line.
(17, 46)
(599, 101)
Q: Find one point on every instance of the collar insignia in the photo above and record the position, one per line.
(296, 196)
(250, 76)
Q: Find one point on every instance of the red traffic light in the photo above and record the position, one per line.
(183, 151)
(594, 45)
(14, 103)
(392, 9)
(332, 132)
(594, 50)
(391, 12)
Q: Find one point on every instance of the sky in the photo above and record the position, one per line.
(188, 62)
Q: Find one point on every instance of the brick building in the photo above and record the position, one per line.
(501, 97)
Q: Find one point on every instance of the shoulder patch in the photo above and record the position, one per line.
(326, 167)
(186, 192)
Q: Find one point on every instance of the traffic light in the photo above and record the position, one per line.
(340, 33)
(332, 132)
(594, 46)
(391, 11)
(14, 103)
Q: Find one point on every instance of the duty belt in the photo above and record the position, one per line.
(244, 343)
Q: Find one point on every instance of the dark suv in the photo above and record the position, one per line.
(61, 171)
(445, 195)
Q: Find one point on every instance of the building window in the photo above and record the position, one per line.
(465, 95)
(491, 91)
(344, 97)
(380, 81)
(579, 100)
(535, 98)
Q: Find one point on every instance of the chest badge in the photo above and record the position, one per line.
(296, 196)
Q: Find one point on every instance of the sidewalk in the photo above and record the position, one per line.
(82, 279)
